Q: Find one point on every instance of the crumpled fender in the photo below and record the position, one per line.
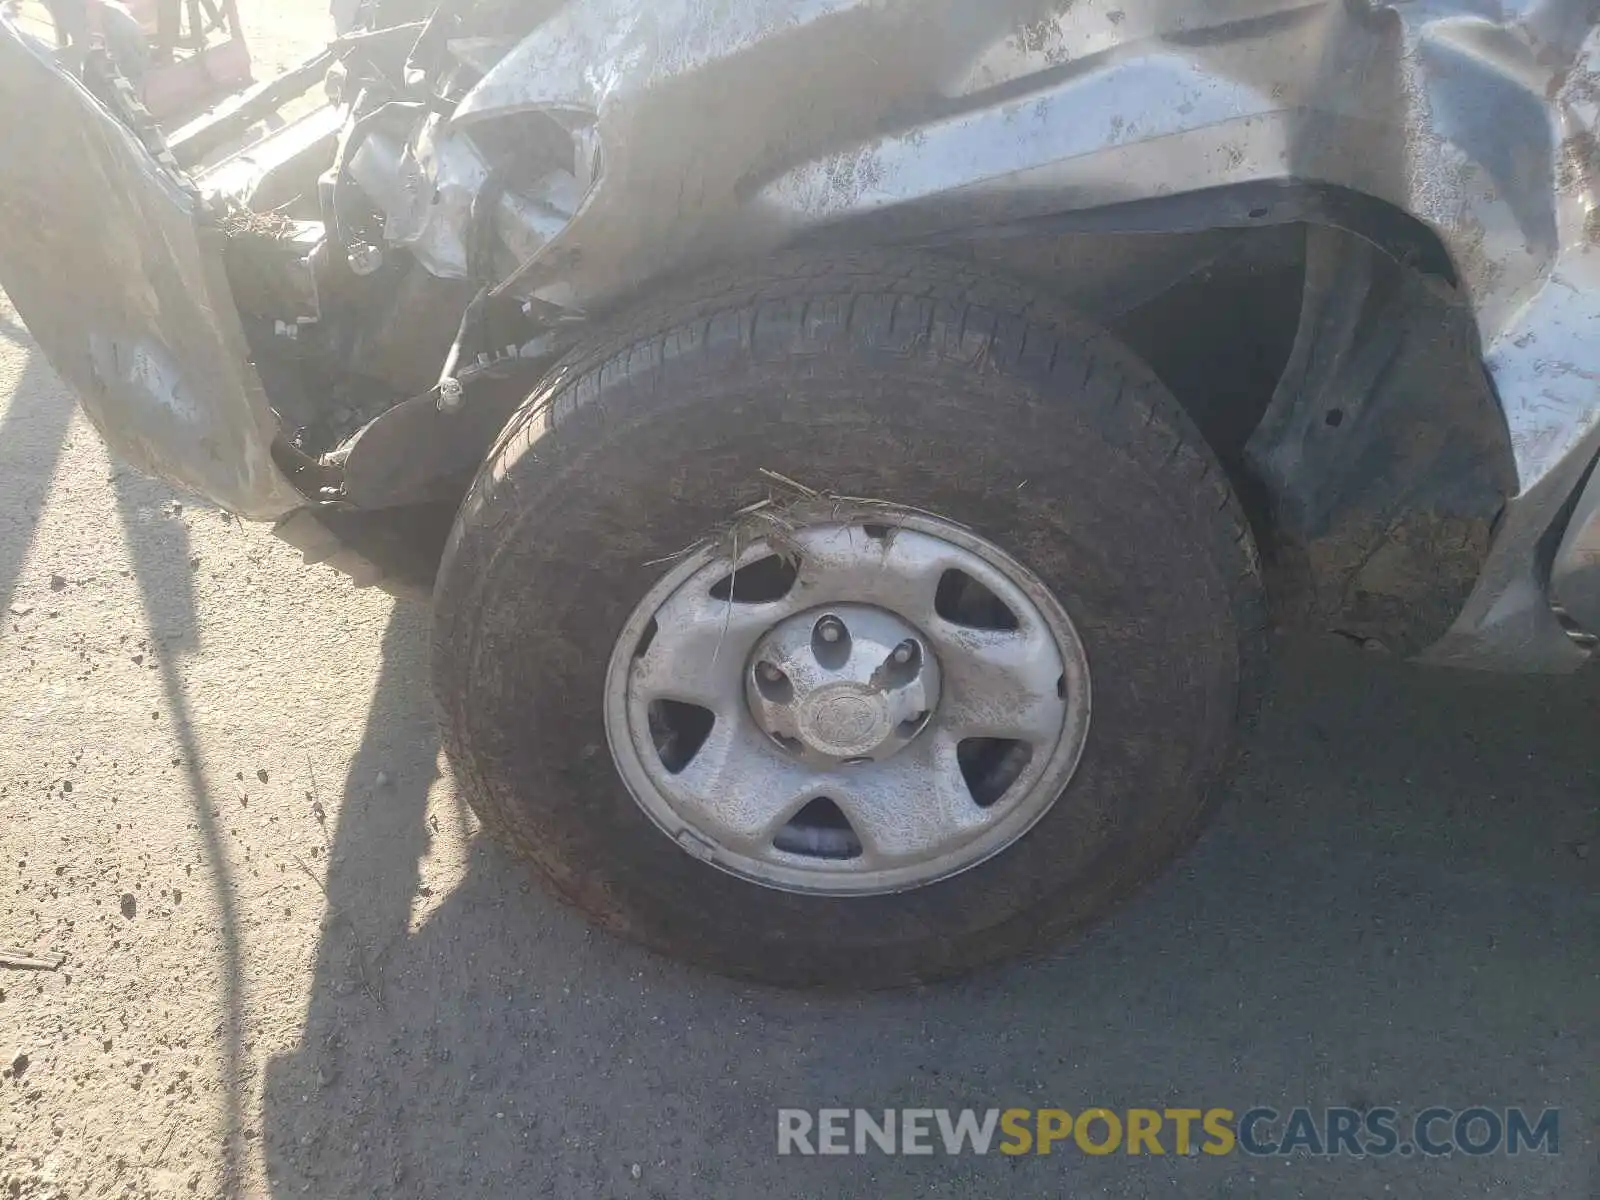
(729, 127)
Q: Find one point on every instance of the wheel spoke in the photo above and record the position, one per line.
(742, 788)
(699, 650)
(912, 807)
(1000, 683)
(899, 571)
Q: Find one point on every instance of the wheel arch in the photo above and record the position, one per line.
(1321, 341)
(1267, 309)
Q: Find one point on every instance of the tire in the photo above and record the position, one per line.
(890, 376)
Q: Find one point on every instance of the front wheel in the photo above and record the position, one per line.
(855, 624)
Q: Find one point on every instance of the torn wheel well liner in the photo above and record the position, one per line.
(1342, 389)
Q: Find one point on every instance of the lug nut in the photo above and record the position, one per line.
(902, 653)
(830, 631)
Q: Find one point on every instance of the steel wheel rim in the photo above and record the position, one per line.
(741, 793)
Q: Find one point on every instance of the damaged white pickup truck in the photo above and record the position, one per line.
(856, 447)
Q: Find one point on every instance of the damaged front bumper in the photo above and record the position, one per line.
(106, 256)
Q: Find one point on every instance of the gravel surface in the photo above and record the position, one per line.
(290, 967)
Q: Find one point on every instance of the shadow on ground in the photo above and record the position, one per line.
(34, 431)
(1397, 905)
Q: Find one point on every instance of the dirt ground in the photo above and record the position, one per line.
(292, 968)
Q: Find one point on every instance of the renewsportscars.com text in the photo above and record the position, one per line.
(1435, 1131)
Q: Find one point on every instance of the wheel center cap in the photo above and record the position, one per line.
(844, 683)
(844, 720)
